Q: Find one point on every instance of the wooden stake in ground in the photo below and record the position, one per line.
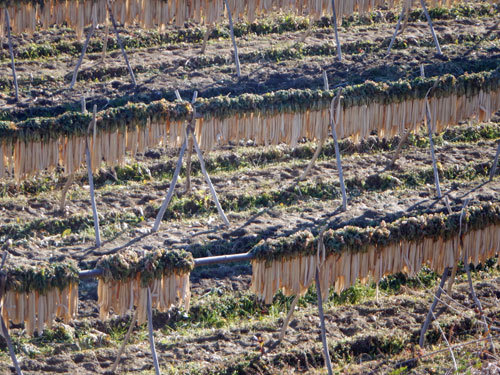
(208, 180)
(85, 45)
(151, 338)
(64, 191)
(401, 143)
(429, 21)
(321, 141)
(404, 13)
(235, 47)
(288, 317)
(124, 343)
(106, 36)
(493, 170)
(334, 120)
(428, 120)
(337, 40)
(430, 314)
(11, 52)
(5, 331)
(205, 39)
(120, 43)
(307, 32)
(171, 188)
(91, 179)
(326, 352)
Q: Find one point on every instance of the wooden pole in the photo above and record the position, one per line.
(334, 21)
(85, 46)
(171, 189)
(430, 314)
(235, 47)
(205, 39)
(478, 305)
(429, 20)
(115, 27)
(190, 144)
(5, 331)
(401, 143)
(91, 179)
(393, 39)
(333, 124)
(64, 191)
(11, 52)
(326, 352)
(307, 32)
(125, 340)
(207, 179)
(151, 338)
(321, 141)
(288, 317)
(493, 170)
(428, 120)
(106, 36)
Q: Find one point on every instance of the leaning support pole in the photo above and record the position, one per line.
(326, 352)
(120, 43)
(208, 180)
(401, 143)
(64, 191)
(171, 189)
(85, 46)
(479, 306)
(321, 141)
(91, 179)
(125, 340)
(337, 40)
(5, 331)
(235, 47)
(151, 338)
(288, 317)
(429, 20)
(393, 39)
(430, 314)
(205, 39)
(334, 120)
(428, 120)
(105, 43)
(11, 52)
(493, 170)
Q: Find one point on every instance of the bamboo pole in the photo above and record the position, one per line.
(307, 32)
(334, 20)
(333, 124)
(5, 331)
(190, 144)
(235, 47)
(11, 52)
(430, 314)
(493, 170)
(120, 43)
(429, 20)
(91, 179)
(85, 46)
(151, 338)
(124, 343)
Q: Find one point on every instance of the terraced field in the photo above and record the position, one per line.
(372, 328)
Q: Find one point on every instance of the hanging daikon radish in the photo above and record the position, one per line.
(127, 276)
(37, 294)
